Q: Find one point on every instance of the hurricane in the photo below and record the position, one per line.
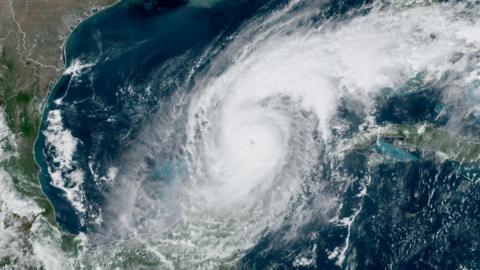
(279, 140)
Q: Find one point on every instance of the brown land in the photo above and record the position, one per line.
(32, 34)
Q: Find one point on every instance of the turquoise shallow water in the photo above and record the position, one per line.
(140, 58)
(409, 211)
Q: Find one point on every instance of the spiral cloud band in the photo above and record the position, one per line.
(250, 146)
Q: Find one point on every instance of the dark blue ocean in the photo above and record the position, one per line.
(130, 46)
(139, 55)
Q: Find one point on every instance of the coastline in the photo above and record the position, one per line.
(37, 152)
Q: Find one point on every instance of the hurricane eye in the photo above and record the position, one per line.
(264, 135)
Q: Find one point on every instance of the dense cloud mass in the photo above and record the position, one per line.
(306, 134)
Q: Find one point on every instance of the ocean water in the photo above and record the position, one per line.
(138, 59)
(201, 135)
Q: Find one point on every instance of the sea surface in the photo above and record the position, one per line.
(159, 99)
(138, 58)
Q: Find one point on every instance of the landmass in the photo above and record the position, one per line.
(32, 35)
